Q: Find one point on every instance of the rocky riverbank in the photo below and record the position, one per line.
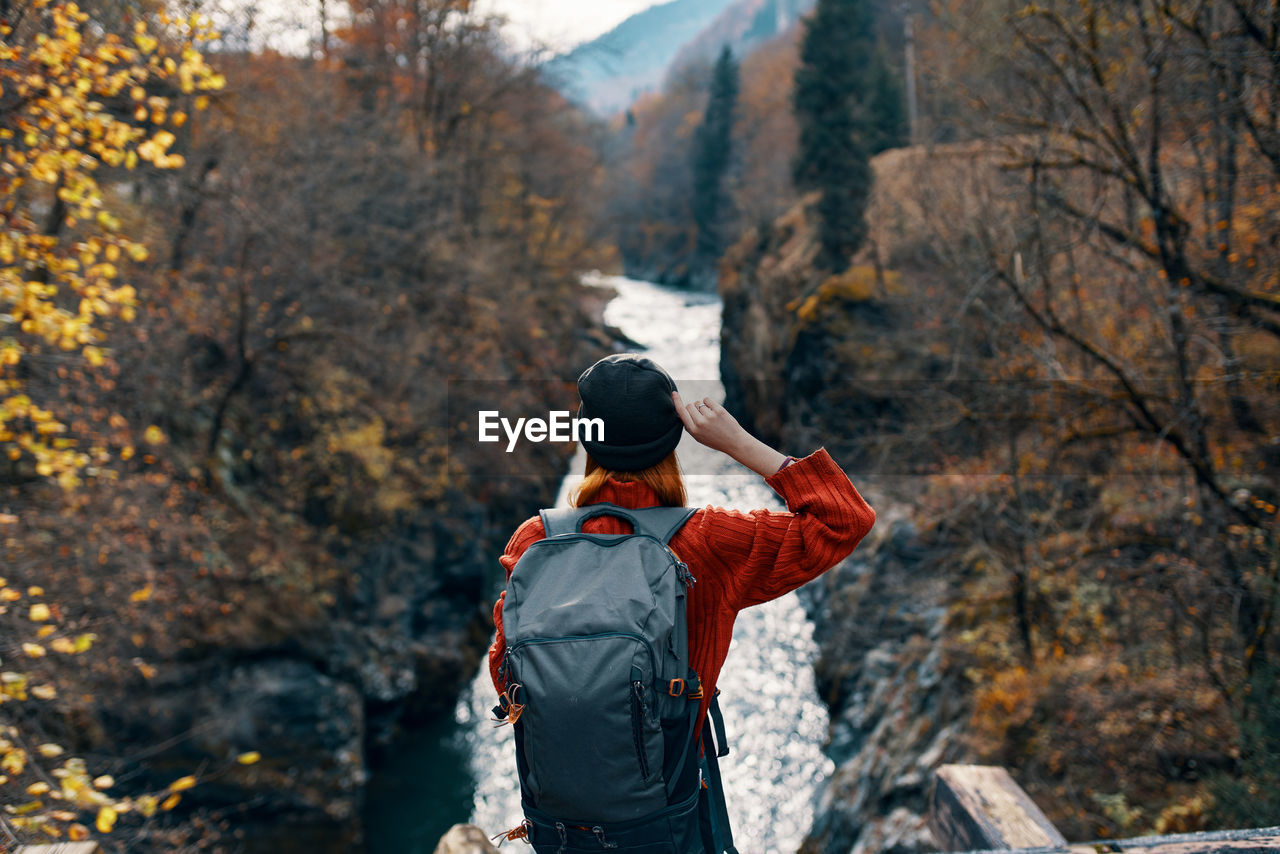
(810, 360)
(896, 707)
(395, 655)
(307, 613)
(1038, 631)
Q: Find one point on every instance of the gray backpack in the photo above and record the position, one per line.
(599, 690)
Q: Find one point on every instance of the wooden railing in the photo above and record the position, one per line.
(979, 808)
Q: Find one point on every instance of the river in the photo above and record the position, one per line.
(464, 769)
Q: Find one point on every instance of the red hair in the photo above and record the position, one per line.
(664, 479)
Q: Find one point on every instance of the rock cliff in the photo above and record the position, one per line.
(809, 359)
(895, 705)
(308, 644)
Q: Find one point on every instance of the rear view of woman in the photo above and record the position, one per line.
(723, 561)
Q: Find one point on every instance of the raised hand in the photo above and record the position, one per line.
(710, 424)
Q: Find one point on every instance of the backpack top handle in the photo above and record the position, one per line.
(661, 523)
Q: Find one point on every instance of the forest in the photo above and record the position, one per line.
(1016, 264)
(240, 290)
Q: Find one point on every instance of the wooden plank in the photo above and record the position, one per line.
(1262, 839)
(61, 848)
(980, 808)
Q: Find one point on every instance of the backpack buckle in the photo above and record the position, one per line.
(690, 688)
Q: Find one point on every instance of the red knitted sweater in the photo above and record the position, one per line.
(740, 559)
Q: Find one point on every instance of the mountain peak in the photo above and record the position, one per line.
(610, 72)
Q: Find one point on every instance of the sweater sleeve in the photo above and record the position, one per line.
(526, 535)
(765, 554)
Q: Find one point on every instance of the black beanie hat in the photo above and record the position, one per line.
(632, 396)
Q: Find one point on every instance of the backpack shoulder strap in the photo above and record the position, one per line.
(714, 803)
(661, 523)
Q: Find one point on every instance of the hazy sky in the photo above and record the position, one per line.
(290, 26)
(560, 24)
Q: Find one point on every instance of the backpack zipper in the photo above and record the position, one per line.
(608, 540)
(683, 573)
(639, 711)
(653, 658)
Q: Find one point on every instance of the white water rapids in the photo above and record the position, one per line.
(774, 720)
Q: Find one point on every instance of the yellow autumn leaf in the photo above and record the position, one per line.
(39, 613)
(37, 789)
(182, 783)
(44, 692)
(106, 819)
(13, 761)
(50, 750)
(170, 802)
(249, 758)
(106, 781)
(33, 650)
(142, 594)
(63, 645)
(77, 833)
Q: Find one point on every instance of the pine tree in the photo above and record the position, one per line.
(848, 107)
(885, 124)
(712, 154)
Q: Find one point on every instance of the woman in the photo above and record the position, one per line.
(739, 559)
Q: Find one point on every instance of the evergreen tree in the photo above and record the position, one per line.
(885, 123)
(848, 107)
(712, 154)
